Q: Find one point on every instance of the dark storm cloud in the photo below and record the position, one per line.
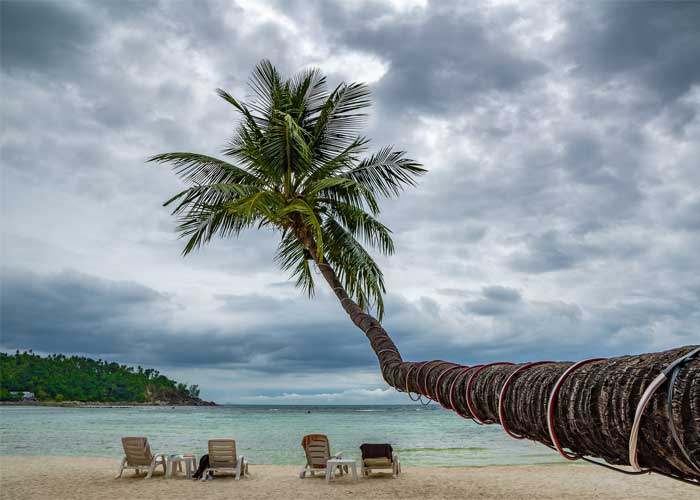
(71, 312)
(441, 59)
(655, 44)
(46, 37)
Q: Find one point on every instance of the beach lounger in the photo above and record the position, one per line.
(318, 452)
(137, 455)
(376, 456)
(222, 457)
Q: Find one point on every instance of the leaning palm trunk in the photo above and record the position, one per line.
(594, 409)
(298, 170)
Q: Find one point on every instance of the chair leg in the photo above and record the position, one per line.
(121, 468)
(150, 469)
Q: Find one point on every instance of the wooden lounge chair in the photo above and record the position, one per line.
(222, 457)
(318, 451)
(367, 465)
(137, 455)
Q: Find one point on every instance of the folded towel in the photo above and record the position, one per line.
(370, 450)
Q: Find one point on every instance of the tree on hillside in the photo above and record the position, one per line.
(78, 378)
(299, 166)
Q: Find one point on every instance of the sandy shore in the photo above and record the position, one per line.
(59, 478)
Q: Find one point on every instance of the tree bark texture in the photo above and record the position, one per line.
(594, 409)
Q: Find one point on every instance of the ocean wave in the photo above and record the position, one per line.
(448, 450)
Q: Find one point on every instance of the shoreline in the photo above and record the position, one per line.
(100, 404)
(116, 458)
(83, 478)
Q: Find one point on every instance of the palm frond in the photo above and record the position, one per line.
(203, 169)
(387, 172)
(339, 120)
(356, 270)
(266, 85)
(254, 123)
(200, 225)
(363, 226)
(292, 255)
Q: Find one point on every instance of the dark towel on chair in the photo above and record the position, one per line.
(376, 451)
(203, 464)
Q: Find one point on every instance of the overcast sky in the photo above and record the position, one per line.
(559, 219)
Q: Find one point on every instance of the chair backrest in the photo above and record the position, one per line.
(222, 453)
(317, 450)
(137, 451)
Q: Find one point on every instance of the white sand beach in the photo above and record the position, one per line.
(82, 478)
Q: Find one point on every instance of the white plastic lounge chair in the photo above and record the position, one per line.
(137, 455)
(222, 457)
(318, 452)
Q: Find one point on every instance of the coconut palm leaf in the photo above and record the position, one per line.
(296, 167)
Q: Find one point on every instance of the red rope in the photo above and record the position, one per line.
(425, 387)
(452, 391)
(408, 373)
(552, 402)
(386, 350)
(420, 388)
(470, 403)
(437, 384)
(501, 396)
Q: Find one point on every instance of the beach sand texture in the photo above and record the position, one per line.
(80, 478)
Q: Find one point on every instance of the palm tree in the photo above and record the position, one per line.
(297, 168)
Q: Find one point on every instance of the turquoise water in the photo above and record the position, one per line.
(423, 436)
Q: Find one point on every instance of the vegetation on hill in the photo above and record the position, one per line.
(76, 378)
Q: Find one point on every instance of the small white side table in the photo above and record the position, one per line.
(335, 462)
(190, 462)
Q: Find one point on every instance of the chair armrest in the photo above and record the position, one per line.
(394, 457)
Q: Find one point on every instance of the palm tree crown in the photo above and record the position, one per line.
(297, 169)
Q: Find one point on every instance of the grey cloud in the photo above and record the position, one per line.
(496, 301)
(74, 312)
(655, 44)
(548, 252)
(502, 294)
(441, 59)
(46, 37)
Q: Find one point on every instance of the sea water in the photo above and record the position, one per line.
(423, 436)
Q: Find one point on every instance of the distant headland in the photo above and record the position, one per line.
(57, 380)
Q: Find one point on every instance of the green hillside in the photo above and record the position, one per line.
(60, 378)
